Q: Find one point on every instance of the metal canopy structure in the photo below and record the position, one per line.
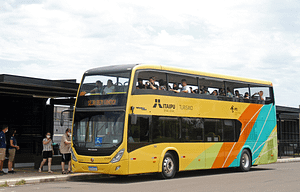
(288, 131)
(287, 112)
(34, 87)
(283, 109)
(25, 109)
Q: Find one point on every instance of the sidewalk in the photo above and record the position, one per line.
(285, 159)
(26, 172)
(31, 175)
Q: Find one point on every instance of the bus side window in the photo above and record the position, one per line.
(165, 129)
(229, 130)
(182, 84)
(213, 130)
(139, 133)
(151, 80)
(192, 129)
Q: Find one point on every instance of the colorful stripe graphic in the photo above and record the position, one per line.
(231, 150)
(258, 133)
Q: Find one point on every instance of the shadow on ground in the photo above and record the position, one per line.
(154, 177)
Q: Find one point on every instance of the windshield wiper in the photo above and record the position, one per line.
(110, 143)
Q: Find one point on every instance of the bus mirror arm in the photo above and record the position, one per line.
(61, 119)
(133, 117)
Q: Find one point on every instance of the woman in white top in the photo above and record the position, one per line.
(47, 152)
(109, 88)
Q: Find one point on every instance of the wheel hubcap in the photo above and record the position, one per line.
(168, 165)
(245, 160)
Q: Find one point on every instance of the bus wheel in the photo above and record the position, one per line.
(168, 166)
(245, 162)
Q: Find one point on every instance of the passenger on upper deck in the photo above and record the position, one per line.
(162, 85)
(221, 92)
(205, 91)
(215, 93)
(110, 88)
(229, 94)
(201, 89)
(260, 94)
(191, 89)
(237, 94)
(175, 86)
(98, 88)
(140, 84)
(185, 88)
(246, 96)
(151, 84)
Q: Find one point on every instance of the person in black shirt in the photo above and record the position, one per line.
(140, 84)
(246, 96)
(150, 84)
(175, 86)
(12, 151)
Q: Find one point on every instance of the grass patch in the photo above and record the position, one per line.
(22, 182)
(4, 185)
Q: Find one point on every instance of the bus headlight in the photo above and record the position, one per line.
(118, 156)
(73, 156)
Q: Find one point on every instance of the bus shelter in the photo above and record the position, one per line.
(27, 105)
(288, 131)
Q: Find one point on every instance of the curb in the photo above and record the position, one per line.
(41, 179)
(287, 160)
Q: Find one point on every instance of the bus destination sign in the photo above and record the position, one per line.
(101, 102)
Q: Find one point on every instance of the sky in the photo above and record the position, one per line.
(54, 39)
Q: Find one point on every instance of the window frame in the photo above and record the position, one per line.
(151, 118)
(226, 83)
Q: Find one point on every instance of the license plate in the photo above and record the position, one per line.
(93, 169)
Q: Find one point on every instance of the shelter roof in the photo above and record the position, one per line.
(35, 87)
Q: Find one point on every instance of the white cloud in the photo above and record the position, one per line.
(61, 39)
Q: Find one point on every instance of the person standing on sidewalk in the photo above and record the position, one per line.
(12, 151)
(2, 147)
(65, 150)
(47, 152)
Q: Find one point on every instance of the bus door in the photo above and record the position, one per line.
(192, 147)
(213, 136)
(143, 154)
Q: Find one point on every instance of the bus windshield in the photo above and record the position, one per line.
(104, 90)
(98, 130)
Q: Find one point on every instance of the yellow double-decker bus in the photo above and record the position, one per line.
(133, 119)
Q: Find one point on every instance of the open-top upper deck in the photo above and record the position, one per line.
(113, 69)
(205, 85)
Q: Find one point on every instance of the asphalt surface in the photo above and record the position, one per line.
(30, 176)
(272, 177)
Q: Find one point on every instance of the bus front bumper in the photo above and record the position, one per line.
(119, 168)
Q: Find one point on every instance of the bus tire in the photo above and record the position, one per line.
(169, 166)
(245, 161)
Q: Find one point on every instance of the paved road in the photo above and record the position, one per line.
(273, 177)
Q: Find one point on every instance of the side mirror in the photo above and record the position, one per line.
(133, 119)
